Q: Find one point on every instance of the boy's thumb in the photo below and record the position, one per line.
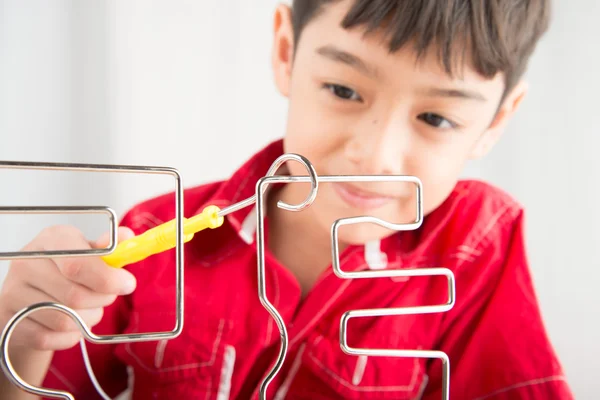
(123, 233)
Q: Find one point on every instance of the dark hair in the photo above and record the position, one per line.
(500, 34)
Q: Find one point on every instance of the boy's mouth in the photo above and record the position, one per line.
(360, 199)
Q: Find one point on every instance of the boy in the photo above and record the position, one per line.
(374, 87)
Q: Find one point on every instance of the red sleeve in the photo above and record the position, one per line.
(67, 369)
(495, 337)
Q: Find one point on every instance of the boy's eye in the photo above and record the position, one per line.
(437, 121)
(343, 92)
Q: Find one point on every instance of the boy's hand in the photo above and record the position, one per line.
(85, 284)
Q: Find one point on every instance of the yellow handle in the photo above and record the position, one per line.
(162, 238)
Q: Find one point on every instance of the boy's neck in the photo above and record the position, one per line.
(295, 238)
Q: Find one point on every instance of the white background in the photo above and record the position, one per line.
(178, 82)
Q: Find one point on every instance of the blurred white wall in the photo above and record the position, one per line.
(176, 82)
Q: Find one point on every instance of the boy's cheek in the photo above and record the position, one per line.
(314, 128)
(312, 138)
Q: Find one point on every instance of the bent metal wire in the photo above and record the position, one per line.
(261, 186)
(259, 198)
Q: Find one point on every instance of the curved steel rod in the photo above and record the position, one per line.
(398, 310)
(5, 363)
(7, 366)
(260, 240)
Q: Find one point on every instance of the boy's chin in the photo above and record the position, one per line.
(360, 234)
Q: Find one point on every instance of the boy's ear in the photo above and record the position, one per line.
(282, 55)
(508, 108)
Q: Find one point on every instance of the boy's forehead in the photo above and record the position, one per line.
(325, 31)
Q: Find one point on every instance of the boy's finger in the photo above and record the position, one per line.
(51, 319)
(123, 233)
(91, 272)
(67, 292)
(94, 274)
(33, 335)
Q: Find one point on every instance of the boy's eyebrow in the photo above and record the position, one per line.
(339, 55)
(336, 54)
(460, 93)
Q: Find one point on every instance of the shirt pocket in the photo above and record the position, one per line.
(190, 365)
(328, 372)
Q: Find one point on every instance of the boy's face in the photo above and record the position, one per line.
(357, 109)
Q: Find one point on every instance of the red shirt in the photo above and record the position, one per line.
(494, 336)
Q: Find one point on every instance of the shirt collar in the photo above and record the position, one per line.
(242, 185)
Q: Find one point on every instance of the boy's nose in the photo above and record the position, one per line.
(380, 150)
